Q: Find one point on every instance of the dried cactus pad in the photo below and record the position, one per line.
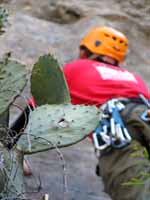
(48, 85)
(11, 174)
(12, 81)
(57, 125)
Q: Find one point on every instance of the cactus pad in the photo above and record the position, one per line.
(48, 85)
(12, 81)
(57, 125)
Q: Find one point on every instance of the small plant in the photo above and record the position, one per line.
(3, 18)
(143, 177)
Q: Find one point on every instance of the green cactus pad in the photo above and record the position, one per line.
(57, 125)
(48, 85)
(12, 81)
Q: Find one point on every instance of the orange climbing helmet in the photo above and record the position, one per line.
(106, 41)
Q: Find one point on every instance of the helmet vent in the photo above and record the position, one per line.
(114, 38)
(97, 43)
(106, 35)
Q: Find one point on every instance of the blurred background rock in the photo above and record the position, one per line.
(40, 26)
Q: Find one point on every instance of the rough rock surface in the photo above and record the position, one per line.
(82, 183)
(37, 27)
(69, 20)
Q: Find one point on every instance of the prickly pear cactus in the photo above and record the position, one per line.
(48, 85)
(11, 174)
(57, 125)
(12, 81)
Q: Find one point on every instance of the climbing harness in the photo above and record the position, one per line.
(111, 130)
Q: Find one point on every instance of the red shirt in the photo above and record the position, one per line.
(94, 83)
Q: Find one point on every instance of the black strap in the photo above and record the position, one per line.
(132, 100)
(130, 109)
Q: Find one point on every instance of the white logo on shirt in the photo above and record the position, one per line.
(112, 74)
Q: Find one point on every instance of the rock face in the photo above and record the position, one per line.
(37, 27)
(64, 23)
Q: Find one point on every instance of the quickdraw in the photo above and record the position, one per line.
(111, 130)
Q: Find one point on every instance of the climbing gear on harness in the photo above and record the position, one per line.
(146, 115)
(111, 130)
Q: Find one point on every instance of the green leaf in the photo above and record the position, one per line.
(134, 181)
(57, 125)
(48, 85)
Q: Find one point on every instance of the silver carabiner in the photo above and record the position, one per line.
(96, 143)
